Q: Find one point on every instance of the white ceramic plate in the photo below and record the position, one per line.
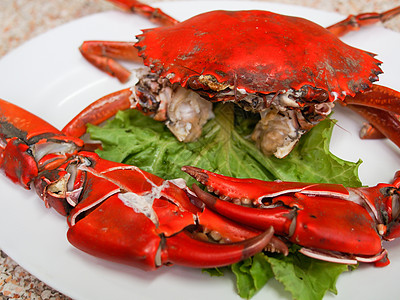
(48, 76)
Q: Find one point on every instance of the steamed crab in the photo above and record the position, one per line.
(397, 180)
(289, 70)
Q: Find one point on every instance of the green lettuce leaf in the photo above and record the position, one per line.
(225, 148)
(251, 275)
(305, 278)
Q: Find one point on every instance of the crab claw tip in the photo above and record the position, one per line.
(257, 243)
(184, 250)
(196, 173)
(207, 198)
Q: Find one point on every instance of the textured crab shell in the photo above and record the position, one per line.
(258, 51)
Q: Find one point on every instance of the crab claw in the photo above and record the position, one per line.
(133, 239)
(133, 217)
(325, 219)
(255, 190)
(184, 250)
(115, 211)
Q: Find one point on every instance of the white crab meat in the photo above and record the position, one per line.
(187, 114)
(185, 111)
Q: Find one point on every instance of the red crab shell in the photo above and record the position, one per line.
(258, 51)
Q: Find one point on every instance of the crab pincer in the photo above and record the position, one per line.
(329, 221)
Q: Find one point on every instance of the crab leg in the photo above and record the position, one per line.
(369, 132)
(98, 112)
(388, 124)
(380, 106)
(155, 15)
(353, 23)
(103, 55)
(107, 106)
(379, 97)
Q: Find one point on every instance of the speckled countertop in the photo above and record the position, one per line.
(21, 20)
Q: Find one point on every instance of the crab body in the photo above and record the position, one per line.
(288, 69)
(256, 52)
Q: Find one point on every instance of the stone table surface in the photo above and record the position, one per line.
(21, 20)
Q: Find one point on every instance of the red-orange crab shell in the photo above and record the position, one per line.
(258, 51)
